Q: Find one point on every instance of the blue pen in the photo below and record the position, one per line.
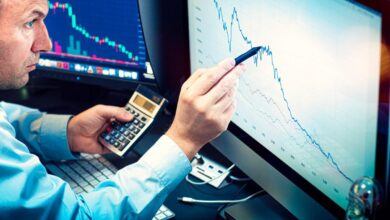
(246, 55)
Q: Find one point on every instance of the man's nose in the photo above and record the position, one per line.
(42, 40)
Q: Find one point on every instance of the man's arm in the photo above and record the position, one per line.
(135, 192)
(43, 134)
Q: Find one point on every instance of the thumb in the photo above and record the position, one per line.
(108, 112)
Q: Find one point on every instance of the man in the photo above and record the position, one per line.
(206, 105)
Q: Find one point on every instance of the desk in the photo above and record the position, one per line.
(59, 100)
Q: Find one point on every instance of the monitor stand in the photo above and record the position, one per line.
(261, 207)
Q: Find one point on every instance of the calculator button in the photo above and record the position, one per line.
(116, 135)
(143, 119)
(126, 133)
(136, 114)
(136, 130)
(122, 130)
(121, 139)
(103, 135)
(141, 125)
(136, 121)
(109, 129)
(125, 142)
(121, 147)
(112, 141)
(131, 136)
(132, 127)
(115, 125)
(127, 124)
(116, 144)
(107, 138)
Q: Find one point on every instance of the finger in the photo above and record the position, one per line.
(109, 112)
(198, 73)
(228, 113)
(226, 100)
(226, 84)
(211, 76)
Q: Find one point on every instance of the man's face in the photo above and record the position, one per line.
(22, 36)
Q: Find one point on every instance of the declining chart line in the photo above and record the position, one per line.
(100, 40)
(265, 50)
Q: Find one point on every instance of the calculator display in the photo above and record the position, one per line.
(144, 103)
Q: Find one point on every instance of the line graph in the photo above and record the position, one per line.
(265, 50)
(297, 98)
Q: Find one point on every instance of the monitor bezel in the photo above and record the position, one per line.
(106, 82)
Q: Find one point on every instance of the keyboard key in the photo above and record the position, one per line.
(78, 190)
(169, 213)
(160, 216)
(106, 171)
(88, 188)
(83, 183)
(94, 183)
(101, 178)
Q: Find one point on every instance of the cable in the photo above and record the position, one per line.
(208, 181)
(239, 179)
(192, 200)
(223, 206)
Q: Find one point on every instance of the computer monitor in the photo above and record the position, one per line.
(96, 42)
(309, 118)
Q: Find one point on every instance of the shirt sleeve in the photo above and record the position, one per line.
(135, 192)
(44, 134)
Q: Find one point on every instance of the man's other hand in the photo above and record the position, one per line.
(85, 128)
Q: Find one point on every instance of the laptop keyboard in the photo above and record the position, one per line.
(87, 172)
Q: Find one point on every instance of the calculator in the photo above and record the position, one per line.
(145, 105)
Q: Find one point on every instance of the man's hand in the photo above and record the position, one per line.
(85, 128)
(206, 106)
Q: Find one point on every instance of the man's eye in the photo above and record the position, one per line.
(30, 24)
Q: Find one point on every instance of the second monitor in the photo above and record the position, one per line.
(96, 42)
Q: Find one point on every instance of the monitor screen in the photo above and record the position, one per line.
(96, 41)
(310, 95)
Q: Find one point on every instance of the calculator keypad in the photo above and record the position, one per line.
(120, 135)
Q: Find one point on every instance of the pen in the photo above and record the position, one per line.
(246, 55)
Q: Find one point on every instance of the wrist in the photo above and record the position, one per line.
(69, 135)
(186, 144)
